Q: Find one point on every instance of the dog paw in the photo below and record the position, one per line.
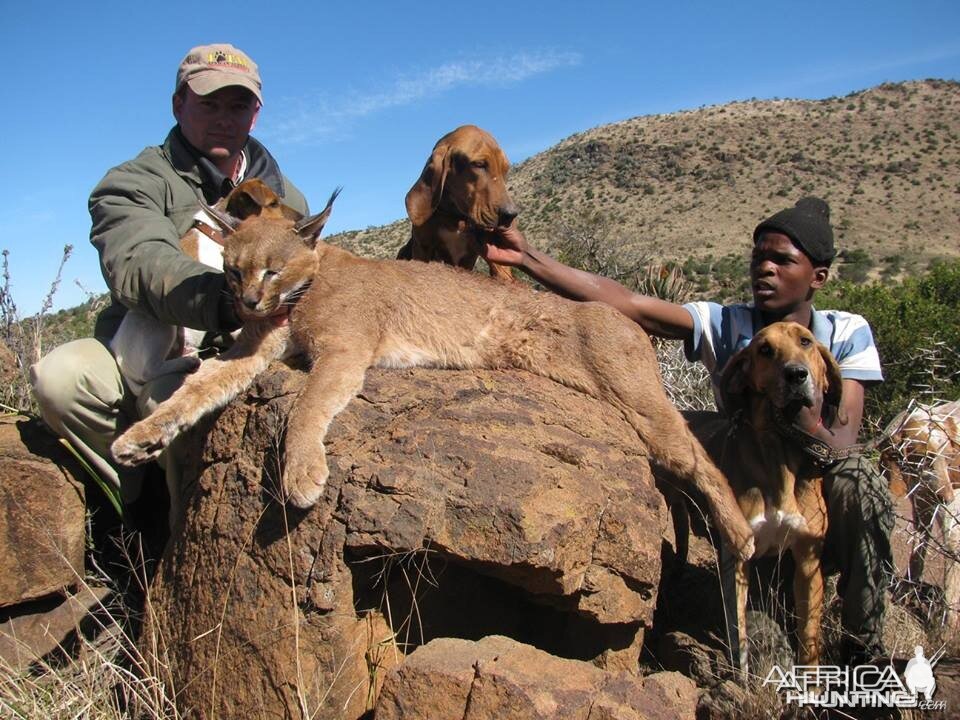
(304, 480)
(141, 443)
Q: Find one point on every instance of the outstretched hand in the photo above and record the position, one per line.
(505, 246)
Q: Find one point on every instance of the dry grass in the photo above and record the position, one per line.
(104, 678)
(23, 341)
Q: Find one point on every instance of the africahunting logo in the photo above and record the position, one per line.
(832, 686)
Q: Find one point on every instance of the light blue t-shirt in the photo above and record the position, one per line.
(721, 331)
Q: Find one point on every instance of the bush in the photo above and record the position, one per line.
(915, 324)
(855, 265)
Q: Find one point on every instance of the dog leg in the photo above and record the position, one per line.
(216, 383)
(808, 596)
(336, 378)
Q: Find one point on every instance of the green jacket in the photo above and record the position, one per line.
(139, 211)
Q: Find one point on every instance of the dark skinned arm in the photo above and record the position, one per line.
(657, 317)
(837, 435)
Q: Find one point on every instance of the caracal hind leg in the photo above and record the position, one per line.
(674, 447)
(592, 348)
(336, 377)
(216, 383)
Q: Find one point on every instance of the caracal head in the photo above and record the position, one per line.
(270, 261)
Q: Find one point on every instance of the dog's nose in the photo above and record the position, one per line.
(795, 374)
(506, 214)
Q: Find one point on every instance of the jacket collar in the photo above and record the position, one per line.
(200, 172)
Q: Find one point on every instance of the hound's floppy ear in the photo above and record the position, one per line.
(735, 382)
(833, 392)
(309, 228)
(425, 194)
(251, 197)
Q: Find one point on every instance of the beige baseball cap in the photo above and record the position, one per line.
(208, 68)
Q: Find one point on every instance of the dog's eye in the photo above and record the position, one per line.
(805, 342)
(270, 274)
(479, 164)
(766, 350)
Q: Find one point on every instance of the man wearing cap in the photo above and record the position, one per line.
(791, 260)
(139, 211)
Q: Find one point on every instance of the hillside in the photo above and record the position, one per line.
(691, 186)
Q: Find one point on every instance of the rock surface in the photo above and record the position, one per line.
(42, 514)
(497, 677)
(459, 505)
(50, 630)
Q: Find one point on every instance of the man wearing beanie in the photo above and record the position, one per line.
(791, 260)
(139, 211)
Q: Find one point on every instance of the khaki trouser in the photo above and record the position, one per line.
(83, 398)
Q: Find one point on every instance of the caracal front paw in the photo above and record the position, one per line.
(144, 441)
(304, 478)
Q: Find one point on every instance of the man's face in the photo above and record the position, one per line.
(217, 124)
(781, 275)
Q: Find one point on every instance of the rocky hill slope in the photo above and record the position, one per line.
(691, 186)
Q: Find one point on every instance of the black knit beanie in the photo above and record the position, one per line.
(808, 225)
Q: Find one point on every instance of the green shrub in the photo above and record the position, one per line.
(916, 327)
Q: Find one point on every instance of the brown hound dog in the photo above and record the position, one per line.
(461, 194)
(776, 483)
(922, 459)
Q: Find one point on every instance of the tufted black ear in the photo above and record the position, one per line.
(310, 227)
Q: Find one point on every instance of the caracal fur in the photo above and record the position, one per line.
(349, 313)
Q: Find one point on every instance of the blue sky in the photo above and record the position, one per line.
(357, 93)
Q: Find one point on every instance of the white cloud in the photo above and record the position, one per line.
(310, 118)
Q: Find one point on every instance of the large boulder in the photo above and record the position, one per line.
(42, 515)
(497, 677)
(459, 505)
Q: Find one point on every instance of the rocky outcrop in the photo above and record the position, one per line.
(52, 629)
(42, 515)
(460, 505)
(497, 677)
